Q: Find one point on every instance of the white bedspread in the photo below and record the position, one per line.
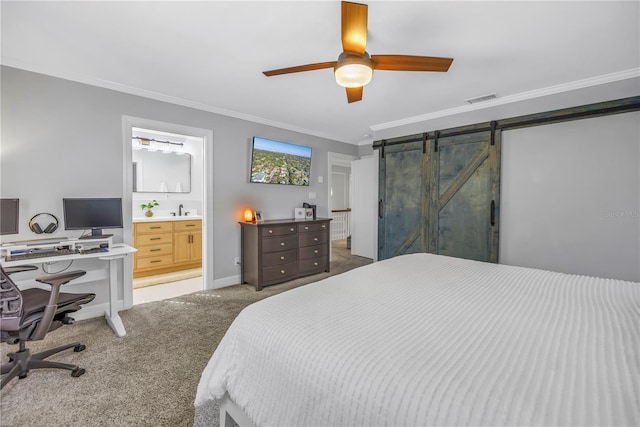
(431, 340)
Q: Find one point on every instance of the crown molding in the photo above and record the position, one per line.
(107, 84)
(633, 73)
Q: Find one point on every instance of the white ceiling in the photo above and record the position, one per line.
(211, 54)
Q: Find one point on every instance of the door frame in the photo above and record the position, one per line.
(337, 159)
(208, 255)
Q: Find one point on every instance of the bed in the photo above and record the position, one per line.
(426, 339)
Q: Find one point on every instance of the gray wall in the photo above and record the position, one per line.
(65, 139)
(570, 197)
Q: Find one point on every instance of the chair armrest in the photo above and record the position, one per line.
(57, 280)
(61, 278)
(19, 268)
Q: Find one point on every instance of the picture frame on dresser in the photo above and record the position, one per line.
(258, 216)
(308, 214)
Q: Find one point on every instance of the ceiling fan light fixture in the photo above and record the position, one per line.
(353, 70)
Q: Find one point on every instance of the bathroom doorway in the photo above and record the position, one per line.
(167, 177)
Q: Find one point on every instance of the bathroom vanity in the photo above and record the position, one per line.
(166, 244)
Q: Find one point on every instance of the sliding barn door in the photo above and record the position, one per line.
(400, 210)
(440, 195)
(464, 196)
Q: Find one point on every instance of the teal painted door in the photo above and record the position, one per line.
(441, 197)
(464, 197)
(400, 210)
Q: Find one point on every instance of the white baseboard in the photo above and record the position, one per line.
(226, 281)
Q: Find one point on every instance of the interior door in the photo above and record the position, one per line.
(401, 224)
(464, 196)
(364, 206)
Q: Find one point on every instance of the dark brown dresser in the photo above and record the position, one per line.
(275, 251)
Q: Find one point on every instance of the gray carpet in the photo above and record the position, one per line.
(147, 378)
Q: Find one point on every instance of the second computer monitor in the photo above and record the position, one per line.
(9, 216)
(93, 214)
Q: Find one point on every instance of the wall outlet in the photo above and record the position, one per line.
(236, 260)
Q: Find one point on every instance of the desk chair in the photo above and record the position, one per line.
(29, 314)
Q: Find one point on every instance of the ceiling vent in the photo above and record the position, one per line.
(481, 98)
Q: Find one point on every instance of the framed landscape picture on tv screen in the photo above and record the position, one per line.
(276, 162)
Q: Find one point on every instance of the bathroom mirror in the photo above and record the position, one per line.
(161, 172)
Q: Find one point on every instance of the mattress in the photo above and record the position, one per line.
(426, 339)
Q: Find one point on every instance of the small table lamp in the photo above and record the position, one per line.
(248, 215)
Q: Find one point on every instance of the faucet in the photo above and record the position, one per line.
(180, 210)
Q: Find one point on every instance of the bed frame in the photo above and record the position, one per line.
(231, 415)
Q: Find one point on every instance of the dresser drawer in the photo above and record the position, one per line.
(306, 228)
(154, 227)
(154, 262)
(154, 239)
(196, 224)
(310, 239)
(155, 250)
(313, 264)
(278, 231)
(278, 258)
(313, 251)
(280, 272)
(276, 244)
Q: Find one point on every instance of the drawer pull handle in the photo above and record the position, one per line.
(306, 228)
(315, 252)
(282, 258)
(155, 250)
(189, 225)
(156, 260)
(282, 244)
(324, 226)
(156, 238)
(315, 263)
(154, 227)
(315, 239)
(292, 229)
(282, 271)
(270, 231)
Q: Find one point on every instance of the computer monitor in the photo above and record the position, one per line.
(95, 214)
(9, 216)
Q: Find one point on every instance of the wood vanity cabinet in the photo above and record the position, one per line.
(187, 241)
(276, 251)
(166, 246)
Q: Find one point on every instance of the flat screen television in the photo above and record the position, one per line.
(92, 214)
(276, 162)
(9, 216)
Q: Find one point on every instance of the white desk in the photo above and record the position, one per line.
(117, 251)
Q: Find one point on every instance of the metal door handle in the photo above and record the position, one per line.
(380, 208)
(493, 213)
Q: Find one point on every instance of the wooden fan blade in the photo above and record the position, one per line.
(410, 63)
(354, 27)
(354, 94)
(300, 68)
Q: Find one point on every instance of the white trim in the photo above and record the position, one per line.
(538, 93)
(119, 87)
(337, 159)
(226, 281)
(208, 253)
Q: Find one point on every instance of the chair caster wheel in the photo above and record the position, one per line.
(79, 347)
(23, 376)
(77, 372)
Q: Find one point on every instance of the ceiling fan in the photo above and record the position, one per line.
(354, 67)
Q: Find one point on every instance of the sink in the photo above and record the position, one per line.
(166, 218)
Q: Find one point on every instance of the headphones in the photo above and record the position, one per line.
(35, 227)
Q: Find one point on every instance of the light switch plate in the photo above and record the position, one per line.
(320, 180)
(312, 195)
